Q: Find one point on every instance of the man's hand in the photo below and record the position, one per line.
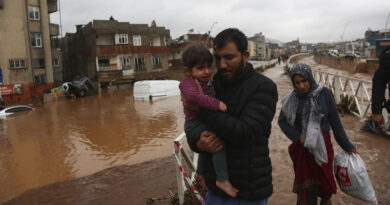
(378, 119)
(209, 142)
(222, 106)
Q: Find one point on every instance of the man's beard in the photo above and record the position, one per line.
(236, 73)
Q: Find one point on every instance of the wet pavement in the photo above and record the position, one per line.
(35, 151)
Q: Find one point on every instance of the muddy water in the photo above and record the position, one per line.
(78, 137)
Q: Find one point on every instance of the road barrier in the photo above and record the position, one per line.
(181, 174)
(263, 65)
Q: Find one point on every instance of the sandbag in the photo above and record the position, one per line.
(351, 175)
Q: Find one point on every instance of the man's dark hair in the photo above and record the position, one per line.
(231, 35)
(196, 54)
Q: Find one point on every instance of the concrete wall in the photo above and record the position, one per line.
(346, 64)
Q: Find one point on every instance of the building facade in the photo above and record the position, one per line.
(109, 51)
(26, 54)
(260, 44)
(371, 37)
(180, 44)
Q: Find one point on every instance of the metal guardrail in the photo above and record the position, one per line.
(352, 93)
(263, 64)
(192, 164)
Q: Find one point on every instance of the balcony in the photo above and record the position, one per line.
(54, 29)
(52, 6)
(126, 49)
(105, 67)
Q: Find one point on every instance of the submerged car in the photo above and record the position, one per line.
(80, 86)
(351, 54)
(15, 109)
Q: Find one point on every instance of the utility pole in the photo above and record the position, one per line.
(342, 35)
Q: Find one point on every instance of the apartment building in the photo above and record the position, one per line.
(26, 54)
(260, 51)
(181, 43)
(113, 52)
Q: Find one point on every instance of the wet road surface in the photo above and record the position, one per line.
(132, 184)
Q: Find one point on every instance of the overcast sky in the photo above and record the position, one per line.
(284, 20)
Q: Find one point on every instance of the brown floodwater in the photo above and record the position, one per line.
(77, 137)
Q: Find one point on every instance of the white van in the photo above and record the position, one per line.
(151, 89)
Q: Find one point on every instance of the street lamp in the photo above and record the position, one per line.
(208, 36)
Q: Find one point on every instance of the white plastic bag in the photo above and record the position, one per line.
(351, 175)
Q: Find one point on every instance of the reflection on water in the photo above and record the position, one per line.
(73, 138)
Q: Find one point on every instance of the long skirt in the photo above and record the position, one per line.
(309, 176)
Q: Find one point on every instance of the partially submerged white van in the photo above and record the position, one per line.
(152, 89)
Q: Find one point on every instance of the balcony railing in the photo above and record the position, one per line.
(104, 67)
(140, 67)
(52, 6)
(54, 29)
(157, 66)
(126, 49)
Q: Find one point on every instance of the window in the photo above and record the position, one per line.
(137, 41)
(1, 4)
(123, 39)
(156, 62)
(55, 62)
(38, 63)
(40, 79)
(125, 63)
(33, 13)
(139, 64)
(17, 63)
(36, 40)
(151, 43)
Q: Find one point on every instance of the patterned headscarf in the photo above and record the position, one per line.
(311, 112)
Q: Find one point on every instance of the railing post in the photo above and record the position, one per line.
(180, 181)
(362, 107)
(337, 89)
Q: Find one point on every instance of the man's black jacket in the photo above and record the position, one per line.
(379, 83)
(245, 128)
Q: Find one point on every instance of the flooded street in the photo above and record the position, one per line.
(78, 137)
(73, 138)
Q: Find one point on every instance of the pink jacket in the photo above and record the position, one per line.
(190, 91)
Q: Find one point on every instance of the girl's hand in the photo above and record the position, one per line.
(222, 106)
(302, 139)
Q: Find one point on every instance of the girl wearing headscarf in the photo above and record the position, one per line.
(307, 114)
